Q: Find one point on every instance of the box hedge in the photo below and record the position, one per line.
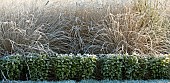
(73, 67)
(78, 67)
(158, 68)
(37, 67)
(112, 67)
(123, 67)
(10, 67)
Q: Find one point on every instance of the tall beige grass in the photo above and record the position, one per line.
(92, 27)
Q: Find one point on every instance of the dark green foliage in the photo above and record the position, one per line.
(136, 67)
(74, 67)
(98, 70)
(11, 67)
(1, 61)
(37, 67)
(78, 67)
(112, 67)
(131, 67)
(158, 67)
(61, 67)
(143, 67)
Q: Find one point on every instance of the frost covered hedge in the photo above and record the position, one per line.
(78, 67)
(124, 67)
(73, 67)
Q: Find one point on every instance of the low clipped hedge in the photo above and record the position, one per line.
(43, 67)
(133, 67)
(78, 67)
(37, 67)
(10, 67)
(73, 67)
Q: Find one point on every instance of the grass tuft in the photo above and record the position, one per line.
(93, 27)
